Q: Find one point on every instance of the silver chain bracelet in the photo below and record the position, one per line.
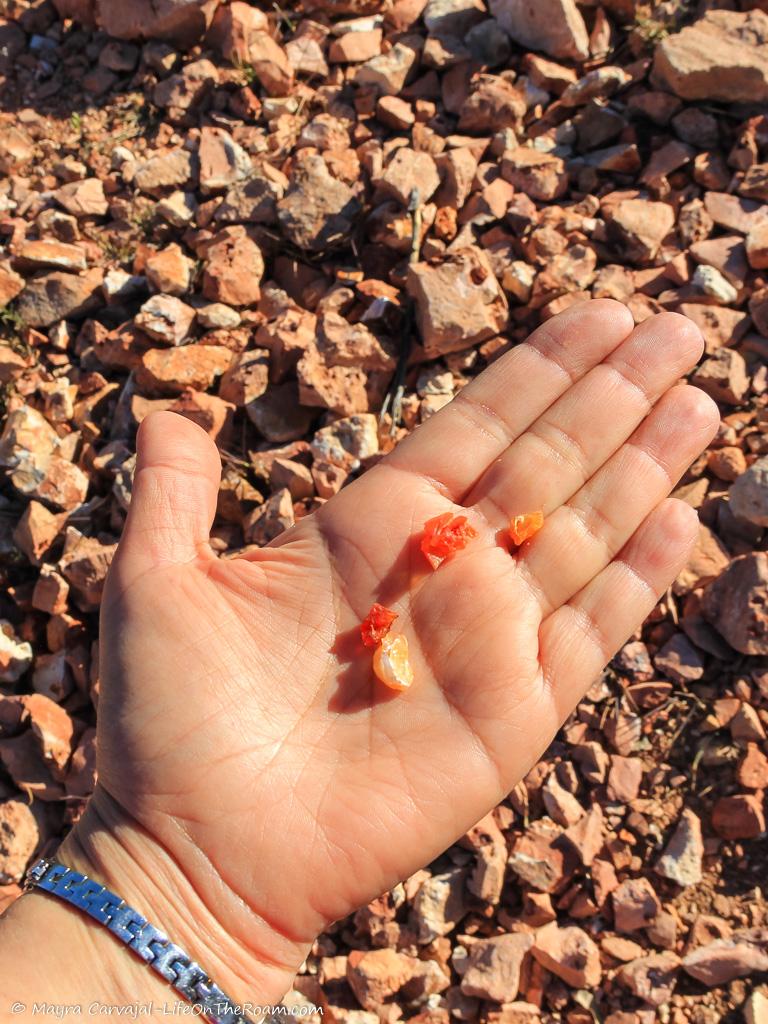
(132, 928)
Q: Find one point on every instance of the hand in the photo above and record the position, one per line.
(244, 745)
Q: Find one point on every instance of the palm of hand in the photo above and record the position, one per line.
(240, 722)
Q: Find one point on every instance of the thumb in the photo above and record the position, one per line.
(175, 489)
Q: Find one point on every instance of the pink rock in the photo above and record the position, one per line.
(459, 302)
(569, 953)
(635, 905)
(493, 967)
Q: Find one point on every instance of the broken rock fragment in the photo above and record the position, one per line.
(722, 56)
(234, 268)
(59, 296)
(735, 603)
(638, 227)
(682, 858)
(493, 967)
(458, 301)
(318, 211)
(569, 953)
(554, 26)
(536, 174)
(166, 319)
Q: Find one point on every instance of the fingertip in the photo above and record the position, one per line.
(166, 437)
(681, 521)
(686, 335)
(604, 314)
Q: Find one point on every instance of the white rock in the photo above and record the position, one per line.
(712, 283)
(15, 654)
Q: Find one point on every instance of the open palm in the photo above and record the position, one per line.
(240, 725)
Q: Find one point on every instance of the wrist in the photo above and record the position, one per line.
(118, 853)
(245, 958)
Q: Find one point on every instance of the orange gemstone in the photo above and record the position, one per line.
(376, 624)
(391, 663)
(523, 527)
(444, 535)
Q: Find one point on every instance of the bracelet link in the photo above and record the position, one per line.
(132, 928)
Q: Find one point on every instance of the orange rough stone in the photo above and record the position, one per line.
(444, 535)
(375, 625)
(523, 527)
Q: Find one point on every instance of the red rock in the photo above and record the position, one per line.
(586, 835)
(757, 245)
(172, 371)
(180, 21)
(269, 520)
(53, 730)
(81, 777)
(754, 184)
(739, 817)
(277, 414)
(490, 848)
(569, 953)
(719, 326)
(395, 113)
(746, 725)
(723, 376)
(172, 168)
(377, 975)
(458, 301)
(388, 72)
(562, 806)
(555, 26)
(51, 591)
(166, 319)
(406, 170)
(246, 378)
(679, 660)
(733, 213)
(294, 476)
(84, 565)
(37, 529)
(211, 413)
(720, 57)
(624, 778)
(355, 47)
(638, 227)
(58, 296)
(635, 905)
(651, 978)
(11, 284)
(727, 463)
(735, 604)
(493, 967)
(234, 268)
(185, 90)
(723, 960)
(682, 858)
(83, 198)
(223, 162)
(539, 175)
(169, 271)
(47, 254)
(22, 831)
(753, 769)
(318, 211)
(492, 104)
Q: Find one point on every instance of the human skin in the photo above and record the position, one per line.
(255, 781)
